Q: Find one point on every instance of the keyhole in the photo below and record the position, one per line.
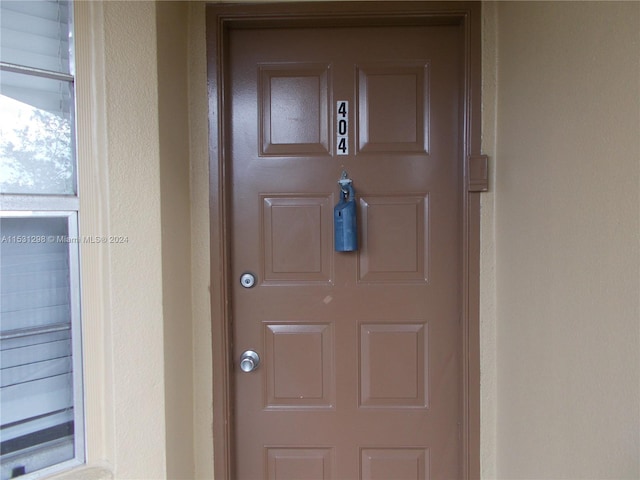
(247, 280)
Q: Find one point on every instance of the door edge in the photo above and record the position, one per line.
(220, 18)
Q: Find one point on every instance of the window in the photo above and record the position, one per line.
(41, 405)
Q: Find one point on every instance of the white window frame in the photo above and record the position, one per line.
(76, 327)
(60, 206)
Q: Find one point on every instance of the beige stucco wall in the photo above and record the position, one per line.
(124, 364)
(200, 272)
(567, 238)
(143, 174)
(560, 262)
(172, 23)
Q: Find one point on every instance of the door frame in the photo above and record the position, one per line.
(220, 19)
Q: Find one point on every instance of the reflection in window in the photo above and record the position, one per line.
(36, 153)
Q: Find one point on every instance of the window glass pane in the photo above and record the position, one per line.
(36, 344)
(36, 34)
(36, 135)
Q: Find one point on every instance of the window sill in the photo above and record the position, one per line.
(84, 473)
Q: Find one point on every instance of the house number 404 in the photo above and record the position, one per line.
(342, 127)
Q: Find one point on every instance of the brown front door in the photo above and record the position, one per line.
(360, 371)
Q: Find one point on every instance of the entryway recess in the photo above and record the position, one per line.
(345, 364)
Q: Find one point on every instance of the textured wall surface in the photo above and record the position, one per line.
(200, 271)
(567, 240)
(143, 171)
(136, 308)
(173, 114)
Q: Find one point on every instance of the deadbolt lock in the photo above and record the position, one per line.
(247, 280)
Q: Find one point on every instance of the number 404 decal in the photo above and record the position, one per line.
(342, 127)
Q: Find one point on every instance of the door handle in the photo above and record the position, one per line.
(249, 361)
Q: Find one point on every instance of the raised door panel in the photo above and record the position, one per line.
(296, 239)
(299, 371)
(394, 463)
(394, 365)
(294, 109)
(395, 246)
(393, 107)
(284, 463)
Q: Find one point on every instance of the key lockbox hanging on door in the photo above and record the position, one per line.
(345, 224)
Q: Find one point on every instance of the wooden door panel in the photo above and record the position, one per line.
(394, 246)
(299, 463)
(299, 367)
(395, 463)
(295, 103)
(393, 107)
(297, 238)
(394, 365)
